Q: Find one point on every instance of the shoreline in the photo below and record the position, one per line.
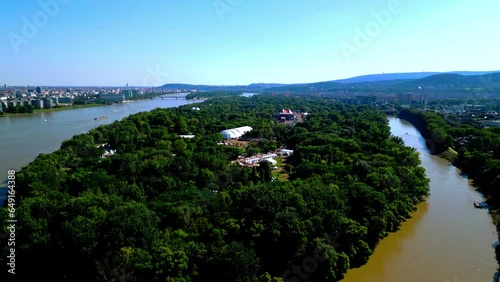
(73, 107)
(63, 108)
(449, 155)
(3, 185)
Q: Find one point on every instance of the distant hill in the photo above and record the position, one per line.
(406, 75)
(399, 83)
(265, 85)
(386, 76)
(251, 87)
(457, 81)
(461, 80)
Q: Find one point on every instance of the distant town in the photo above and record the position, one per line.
(28, 98)
(481, 106)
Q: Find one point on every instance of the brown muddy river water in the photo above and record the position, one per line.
(446, 240)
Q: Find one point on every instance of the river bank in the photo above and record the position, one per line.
(446, 239)
(451, 155)
(56, 109)
(81, 106)
(25, 136)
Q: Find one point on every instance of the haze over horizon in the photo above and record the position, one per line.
(223, 42)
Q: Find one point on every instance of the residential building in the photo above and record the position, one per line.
(286, 115)
(12, 104)
(48, 103)
(112, 98)
(65, 100)
(37, 103)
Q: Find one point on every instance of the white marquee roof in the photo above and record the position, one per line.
(235, 132)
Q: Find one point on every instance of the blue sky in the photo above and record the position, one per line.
(222, 42)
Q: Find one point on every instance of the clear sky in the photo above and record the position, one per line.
(226, 42)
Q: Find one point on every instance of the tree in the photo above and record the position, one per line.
(30, 108)
(265, 171)
(165, 208)
(179, 145)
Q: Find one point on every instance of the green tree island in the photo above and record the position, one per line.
(166, 208)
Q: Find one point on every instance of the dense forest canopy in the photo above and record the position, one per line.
(165, 208)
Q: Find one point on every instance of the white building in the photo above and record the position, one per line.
(272, 161)
(285, 152)
(235, 133)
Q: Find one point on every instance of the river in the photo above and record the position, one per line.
(446, 240)
(24, 137)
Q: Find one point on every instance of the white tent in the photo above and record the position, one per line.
(235, 133)
(273, 162)
(286, 152)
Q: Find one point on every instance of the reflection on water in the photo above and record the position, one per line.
(447, 239)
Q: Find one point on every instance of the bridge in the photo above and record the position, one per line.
(167, 98)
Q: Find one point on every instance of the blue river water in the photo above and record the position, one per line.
(24, 137)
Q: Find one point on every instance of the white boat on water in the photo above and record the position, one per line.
(100, 118)
(480, 205)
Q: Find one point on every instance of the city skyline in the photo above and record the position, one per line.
(221, 42)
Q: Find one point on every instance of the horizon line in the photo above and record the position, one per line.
(243, 85)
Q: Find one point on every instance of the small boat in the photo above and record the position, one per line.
(480, 205)
(100, 118)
